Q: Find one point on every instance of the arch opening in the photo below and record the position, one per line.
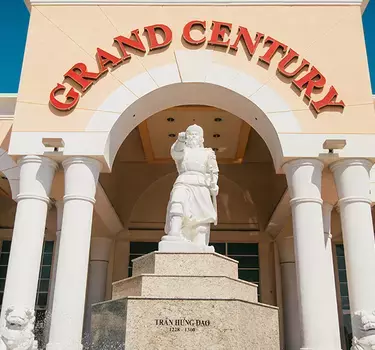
(190, 94)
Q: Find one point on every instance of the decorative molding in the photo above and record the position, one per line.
(194, 2)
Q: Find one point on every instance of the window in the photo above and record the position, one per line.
(4, 259)
(43, 283)
(44, 274)
(247, 255)
(138, 249)
(345, 305)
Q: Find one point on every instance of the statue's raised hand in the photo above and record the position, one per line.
(182, 136)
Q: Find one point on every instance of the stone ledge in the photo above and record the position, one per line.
(179, 286)
(186, 264)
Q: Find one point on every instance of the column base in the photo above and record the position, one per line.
(59, 346)
(181, 246)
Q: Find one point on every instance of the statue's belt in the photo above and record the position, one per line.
(193, 178)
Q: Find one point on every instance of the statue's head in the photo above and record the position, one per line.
(194, 136)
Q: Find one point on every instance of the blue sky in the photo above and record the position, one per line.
(13, 29)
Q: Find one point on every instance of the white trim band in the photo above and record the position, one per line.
(353, 199)
(300, 200)
(71, 197)
(22, 196)
(195, 2)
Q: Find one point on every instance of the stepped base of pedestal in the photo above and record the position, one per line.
(181, 301)
(185, 264)
(184, 324)
(185, 287)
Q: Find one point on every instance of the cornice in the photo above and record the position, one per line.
(196, 2)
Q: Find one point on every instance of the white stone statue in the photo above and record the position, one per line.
(192, 204)
(18, 331)
(365, 323)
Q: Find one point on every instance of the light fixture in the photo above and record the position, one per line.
(54, 143)
(332, 144)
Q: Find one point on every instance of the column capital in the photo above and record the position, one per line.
(352, 178)
(36, 175)
(82, 160)
(348, 162)
(81, 177)
(38, 159)
(304, 178)
(297, 163)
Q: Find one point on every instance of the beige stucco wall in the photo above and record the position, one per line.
(330, 37)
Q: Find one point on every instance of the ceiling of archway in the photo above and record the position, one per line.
(223, 132)
(233, 140)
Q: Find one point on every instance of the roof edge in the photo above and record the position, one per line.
(362, 3)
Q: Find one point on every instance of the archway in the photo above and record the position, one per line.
(193, 94)
(232, 91)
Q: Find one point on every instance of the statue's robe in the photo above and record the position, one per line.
(197, 168)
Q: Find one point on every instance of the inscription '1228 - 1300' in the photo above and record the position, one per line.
(182, 324)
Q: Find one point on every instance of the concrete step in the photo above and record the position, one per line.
(185, 264)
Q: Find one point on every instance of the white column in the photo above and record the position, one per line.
(36, 176)
(81, 176)
(327, 214)
(59, 205)
(292, 325)
(97, 279)
(317, 298)
(352, 178)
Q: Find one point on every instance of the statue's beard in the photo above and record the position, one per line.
(193, 143)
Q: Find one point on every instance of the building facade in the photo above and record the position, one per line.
(282, 91)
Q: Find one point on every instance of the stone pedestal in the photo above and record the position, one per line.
(184, 301)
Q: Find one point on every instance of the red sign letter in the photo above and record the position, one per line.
(286, 61)
(275, 45)
(328, 100)
(187, 29)
(219, 29)
(151, 32)
(79, 74)
(134, 43)
(243, 33)
(72, 95)
(104, 58)
(313, 79)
